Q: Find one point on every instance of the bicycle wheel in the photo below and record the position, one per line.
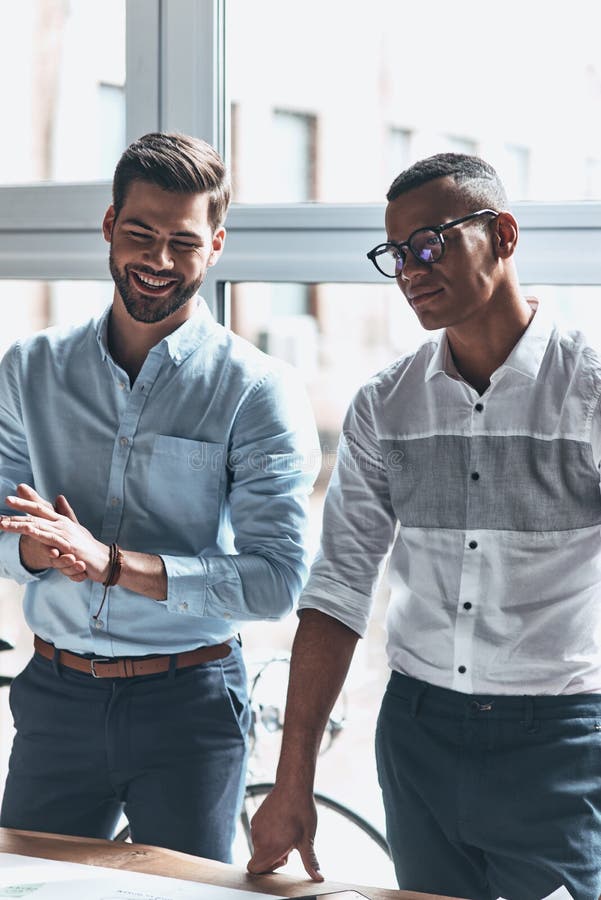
(349, 848)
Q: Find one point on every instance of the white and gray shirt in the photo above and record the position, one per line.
(491, 508)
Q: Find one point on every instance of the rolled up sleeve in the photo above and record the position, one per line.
(358, 524)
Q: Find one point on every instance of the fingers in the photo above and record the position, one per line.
(35, 528)
(67, 564)
(26, 492)
(259, 863)
(39, 507)
(63, 508)
(310, 861)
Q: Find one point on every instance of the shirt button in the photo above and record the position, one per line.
(227, 615)
(98, 623)
(124, 441)
(475, 476)
(472, 545)
(467, 605)
(478, 407)
(115, 501)
(183, 606)
(462, 669)
(121, 385)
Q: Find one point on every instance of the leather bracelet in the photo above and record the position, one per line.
(118, 564)
(113, 575)
(115, 565)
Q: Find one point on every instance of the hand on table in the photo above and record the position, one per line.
(284, 822)
(51, 537)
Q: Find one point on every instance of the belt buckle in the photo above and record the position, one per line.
(93, 662)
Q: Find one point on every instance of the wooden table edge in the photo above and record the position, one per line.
(158, 861)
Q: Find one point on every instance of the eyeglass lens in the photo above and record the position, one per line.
(425, 245)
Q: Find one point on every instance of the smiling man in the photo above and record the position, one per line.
(475, 461)
(156, 470)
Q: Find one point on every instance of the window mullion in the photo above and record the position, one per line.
(143, 67)
(192, 70)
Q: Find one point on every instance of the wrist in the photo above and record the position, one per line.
(297, 779)
(104, 564)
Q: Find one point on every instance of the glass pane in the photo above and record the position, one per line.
(573, 308)
(64, 115)
(25, 307)
(388, 87)
(346, 334)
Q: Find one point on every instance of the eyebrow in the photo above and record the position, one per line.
(141, 224)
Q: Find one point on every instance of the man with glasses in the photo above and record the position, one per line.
(475, 461)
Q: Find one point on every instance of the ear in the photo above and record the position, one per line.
(217, 244)
(506, 233)
(108, 222)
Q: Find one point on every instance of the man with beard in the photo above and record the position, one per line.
(155, 473)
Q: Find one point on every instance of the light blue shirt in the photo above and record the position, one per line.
(206, 460)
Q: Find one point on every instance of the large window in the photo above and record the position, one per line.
(522, 88)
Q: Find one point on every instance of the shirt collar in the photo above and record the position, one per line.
(102, 325)
(185, 339)
(442, 360)
(527, 355)
(525, 358)
(180, 343)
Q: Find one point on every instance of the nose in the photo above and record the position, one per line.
(412, 268)
(159, 255)
(410, 263)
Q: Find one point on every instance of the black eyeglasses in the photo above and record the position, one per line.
(426, 244)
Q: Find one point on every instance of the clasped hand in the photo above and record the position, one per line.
(52, 537)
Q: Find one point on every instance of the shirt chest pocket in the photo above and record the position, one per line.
(184, 480)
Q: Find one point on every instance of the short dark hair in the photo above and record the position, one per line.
(477, 179)
(178, 163)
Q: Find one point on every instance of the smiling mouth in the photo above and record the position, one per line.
(150, 284)
(421, 299)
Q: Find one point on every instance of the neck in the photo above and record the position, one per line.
(479, 349)
(130, 341)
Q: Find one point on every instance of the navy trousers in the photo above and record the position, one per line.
(491, 796)
(169, 750)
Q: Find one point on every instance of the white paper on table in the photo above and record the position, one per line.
(561, 893)
(33, 878)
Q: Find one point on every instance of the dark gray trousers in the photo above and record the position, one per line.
(169, 750)
(491, 796)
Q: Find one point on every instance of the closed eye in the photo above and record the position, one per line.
(183, 245)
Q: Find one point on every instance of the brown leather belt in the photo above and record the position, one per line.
(129, 668)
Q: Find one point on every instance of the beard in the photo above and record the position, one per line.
(142, 307)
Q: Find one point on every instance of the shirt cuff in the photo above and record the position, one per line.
(11, 565)
(186, 585)
(342, 603)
